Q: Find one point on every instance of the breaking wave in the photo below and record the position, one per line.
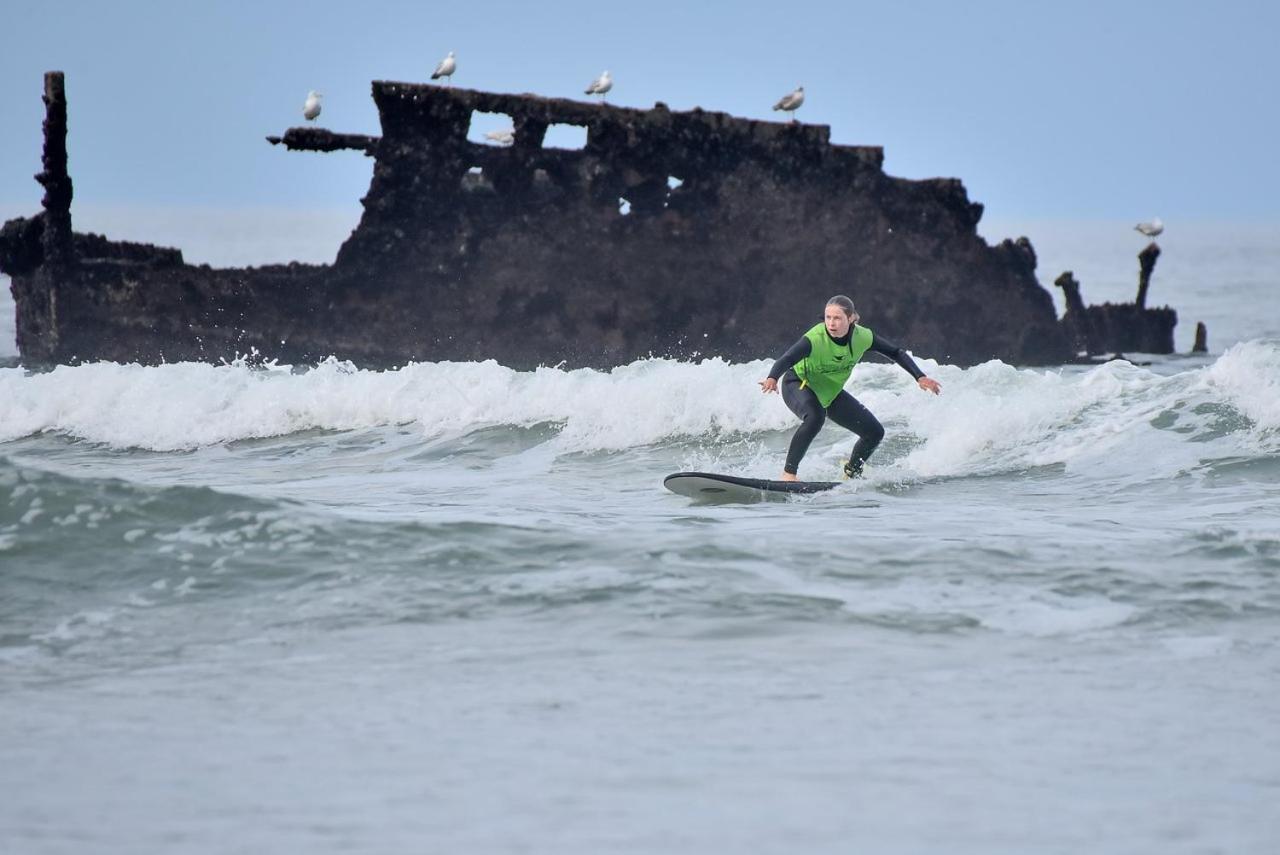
(990, 418)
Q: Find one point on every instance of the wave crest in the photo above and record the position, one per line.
(991, 416)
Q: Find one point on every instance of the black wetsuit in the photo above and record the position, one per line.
(844, 410)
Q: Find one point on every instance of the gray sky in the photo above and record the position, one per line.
(1067, 110)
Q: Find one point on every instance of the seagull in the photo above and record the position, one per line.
(502, 136)
(1150, 229)
(600, 86)
(445, 69)
(311, 109)
(791, 102)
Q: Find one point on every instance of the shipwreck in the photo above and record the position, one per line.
(678, 234)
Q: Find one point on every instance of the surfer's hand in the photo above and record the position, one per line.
(768, 384)
(929, 385)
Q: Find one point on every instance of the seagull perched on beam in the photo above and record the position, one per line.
(446, 68)
(311, 108)
(791, 102)
(1150, 229)
(600, 86)
(502, 136)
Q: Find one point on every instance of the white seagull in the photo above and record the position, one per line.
(1150, 229)
(502, 136)
(791, 102)
(600, 86)
(446, 68)
(311, 109)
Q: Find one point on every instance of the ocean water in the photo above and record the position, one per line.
(451, 608)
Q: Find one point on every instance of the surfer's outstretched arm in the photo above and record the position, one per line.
(794, 354)
(887, 348)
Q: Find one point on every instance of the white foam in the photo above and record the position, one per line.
(187, 405)
(1028, 418)
(1005, 608)
(990, 418)
(1042, 618)
(1248, 377)
(81, 625)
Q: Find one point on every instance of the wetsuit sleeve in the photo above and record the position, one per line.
(887, 348)
(794, 354)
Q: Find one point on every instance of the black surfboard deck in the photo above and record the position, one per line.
(707, 485)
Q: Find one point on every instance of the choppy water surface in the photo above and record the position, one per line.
(246, 608)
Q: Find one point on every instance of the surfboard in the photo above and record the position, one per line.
(709, 486)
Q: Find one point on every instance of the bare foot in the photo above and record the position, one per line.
(787, 476)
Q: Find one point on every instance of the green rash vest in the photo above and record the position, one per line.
(827, 368)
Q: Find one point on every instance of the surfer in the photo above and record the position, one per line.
(813, 373)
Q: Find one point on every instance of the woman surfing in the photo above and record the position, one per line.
(813, 372)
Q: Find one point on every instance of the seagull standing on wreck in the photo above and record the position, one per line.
(791, 102)
(600, 86)
(1150, 229)
(446, 68)
(311, 108)
(502, 136)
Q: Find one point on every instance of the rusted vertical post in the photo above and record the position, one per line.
(54, 176)
(1202, 339)
(1076, 320)
(1071, 293)
(1146, 264)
